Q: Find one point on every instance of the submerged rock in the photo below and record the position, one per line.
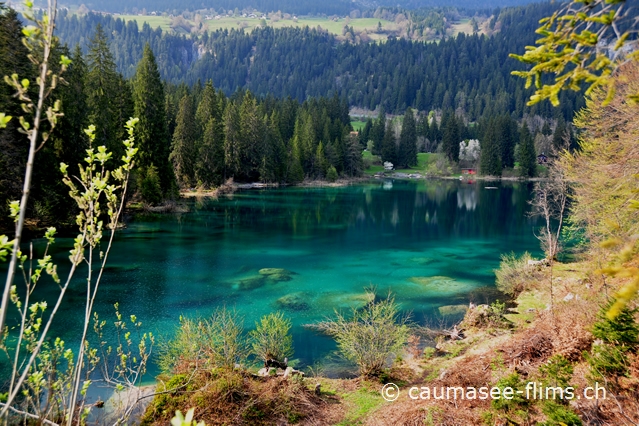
(436, 281)
(278, 277)
(294, 302)
(251, 283)
(346, 300)
(275, 271)
(452, 310)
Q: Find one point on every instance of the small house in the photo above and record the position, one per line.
(542, 159)
(469, 171)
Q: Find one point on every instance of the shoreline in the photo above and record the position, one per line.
(345, 182)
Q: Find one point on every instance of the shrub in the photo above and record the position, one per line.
(518, 400)
(149, 185)
(617, 337)
(271, 338)
(560, 415)
(514, 273)
(557, 371)
(370, 336)
(331, 174)
(217, 341)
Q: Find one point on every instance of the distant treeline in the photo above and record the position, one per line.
(301, 7)
(469, 73)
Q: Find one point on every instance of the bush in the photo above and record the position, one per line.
(271, 338)
(218, 342)
(617, 337)
(560, 415)
(518, 400)
(150, 189)
(370, 336)
(331, 174)
(514, 273)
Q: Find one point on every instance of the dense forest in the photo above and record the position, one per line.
(469, 73)
(305, 7)
(186, 137)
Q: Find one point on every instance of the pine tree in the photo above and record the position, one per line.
(490, 161)
(389, 146)
(185, 147)
(527, 158)
(353, 162)
(507, 130)
(377, 132)
(407, 152)
(210, 158)
(151, 131)
(251, 137)
(101, 86)
(451, 137)
(232, 141)
(561, 132)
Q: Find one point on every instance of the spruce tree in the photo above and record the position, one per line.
(101, 85)
(389, 146)
(378, 131)
(451, 137)
(151, 132)
(251, 138)
(185, 147)
(490, 161)
(407, 152)
(210, 158)
(560, 134)
(232, 140)
(527, 157)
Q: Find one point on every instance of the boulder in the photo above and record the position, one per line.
(294, 302)
(251, 283)
(275, 271)
(452, 310)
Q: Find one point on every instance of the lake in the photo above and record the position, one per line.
(431, 243)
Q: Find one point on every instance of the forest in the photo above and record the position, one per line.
(469, 73)
(306, 7)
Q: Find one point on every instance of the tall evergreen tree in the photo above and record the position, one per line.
(451, 136)
(407, 151)
(490, 159)
(353, 162)
(102, 84)
(561, 133)
(389, 145)
(527, 157)
(251, 137)
(185, 146)
(151, 131)
(232, 141)
(507, 134)
(210, 159)
(377, 132)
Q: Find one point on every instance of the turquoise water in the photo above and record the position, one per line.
(392, 235)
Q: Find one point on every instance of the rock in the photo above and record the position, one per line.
(290, 372)
(569, 297)
(278, 277)
(251, 283)
(452, 310)
(435, 281)
(345, 300)
(274, 271)
(294, 301)
(318, 389)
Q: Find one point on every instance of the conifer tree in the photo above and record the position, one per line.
(151, 133)
(210, 158)
(353, 162)
(251, 137)
(490, 161)
(101, 86)
(507, 130)
(232, 140)
(389, 146)
(559, 135)
(184, 148)
(527, 158)
(451, 137)
(377, 132)
(407, 152)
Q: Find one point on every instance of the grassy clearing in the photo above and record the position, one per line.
(358, 125)
(154, 21)
(333, 27)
